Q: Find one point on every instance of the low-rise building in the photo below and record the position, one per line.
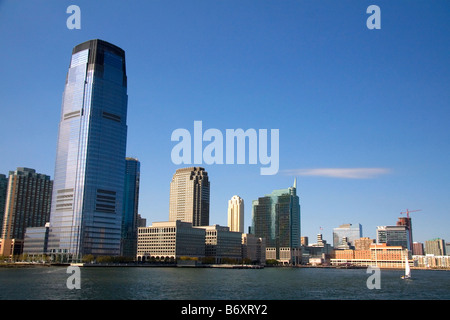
(253, 248)
(170, 240)
(222, 244)
(381, 255)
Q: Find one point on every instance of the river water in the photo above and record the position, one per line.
(171, 283)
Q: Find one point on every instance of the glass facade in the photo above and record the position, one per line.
(346, 231)
(86, 213)
(130, 208)
(276, 217)
(394, 236)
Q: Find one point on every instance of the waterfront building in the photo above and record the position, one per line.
(348, 232)
(380, 255)
(130, 208)
(189, 196)
(222, 245)
(169, 241)
(276, 218)
(394, 236)
(236, 214)
(253, 249)
(28, 200)
(435, 247)
(86, 213)
(431, 261)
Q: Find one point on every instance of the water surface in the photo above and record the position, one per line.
(154, 283)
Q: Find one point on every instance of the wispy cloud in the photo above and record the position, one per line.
(345, 173)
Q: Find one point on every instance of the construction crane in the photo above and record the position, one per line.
(408, 212)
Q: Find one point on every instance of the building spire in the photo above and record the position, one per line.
(295, 183)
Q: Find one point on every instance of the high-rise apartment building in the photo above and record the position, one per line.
(86, 214)
(276, 217)
(130, 207)
(351, 233)
(189, 196)
(27, 204)
(435, 247)
(236, 214)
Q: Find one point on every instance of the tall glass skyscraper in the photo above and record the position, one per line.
(130, 207)
(276, 217)
(86, 213)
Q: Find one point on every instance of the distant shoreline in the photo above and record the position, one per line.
(217, 266)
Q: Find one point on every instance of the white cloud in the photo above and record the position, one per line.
(346, 173)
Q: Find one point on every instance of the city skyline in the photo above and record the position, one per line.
(362, 113)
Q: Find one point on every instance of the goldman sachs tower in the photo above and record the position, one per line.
(87, 200)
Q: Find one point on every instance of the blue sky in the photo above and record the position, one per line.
(341, 95)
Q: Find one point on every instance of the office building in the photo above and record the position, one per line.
(130, 208)
(86, 214)
(189, 196)
(141, 222)
(348, 232)
(407, 223)
(222, 245)
(394, 236)
(168, 241)
(28, 200)
(380, 255)
(253, 249)
(276, 217)
(304, 241)
(236, 214)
